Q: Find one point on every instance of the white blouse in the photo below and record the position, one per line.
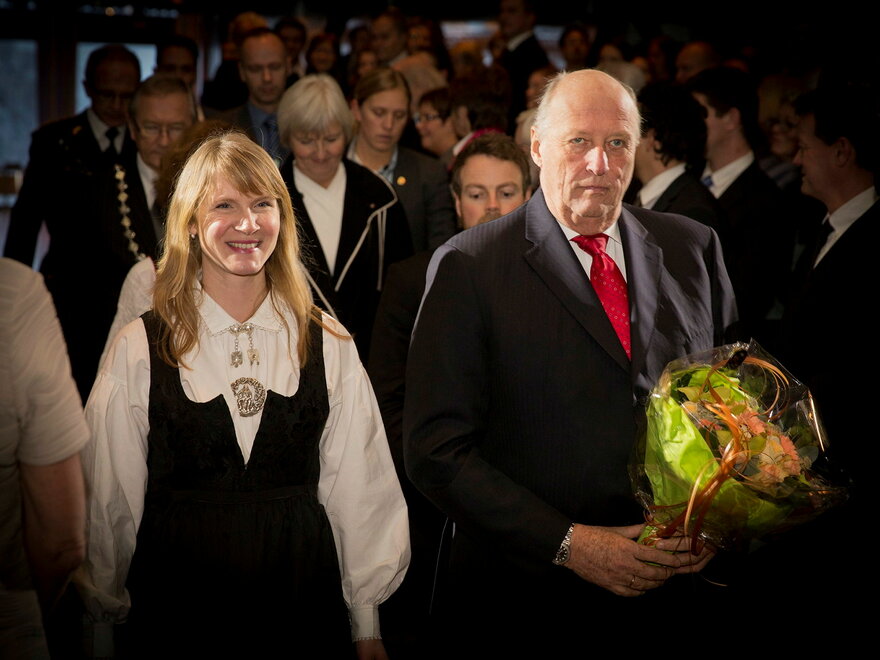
(358, 486)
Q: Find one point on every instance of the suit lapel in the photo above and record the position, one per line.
(552, 259)
(644, 266)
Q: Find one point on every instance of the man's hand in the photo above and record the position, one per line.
(610, 558)
(681, 545)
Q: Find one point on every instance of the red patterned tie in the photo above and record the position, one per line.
(608, 282)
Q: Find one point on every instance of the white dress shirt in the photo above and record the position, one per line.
(613, 248)
(358, 486)
(148, 180)
(844, 218)
(99, 130)
(654, 189)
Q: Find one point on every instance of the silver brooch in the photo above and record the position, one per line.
(250, 395)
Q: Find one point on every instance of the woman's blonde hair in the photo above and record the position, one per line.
(249, 169)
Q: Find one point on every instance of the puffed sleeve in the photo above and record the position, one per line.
(359, 490)
(135, 298)
(115, 467)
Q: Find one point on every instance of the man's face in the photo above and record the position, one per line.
(816, 160)
(158, 122)
(691, 59)
(264, 68)
(178, 61)
(490, 188)
(586, 150)
(387, 41)
(112, 90)
(513, 19)
(294, 40)
(575, 47)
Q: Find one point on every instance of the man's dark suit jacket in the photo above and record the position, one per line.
(828, 343)
(238, 117)
(422, 186)
(828, 335)
(71, 186)
(522, 407)
(758, 246)
(64, 158)
(688, 197)
(519, 63)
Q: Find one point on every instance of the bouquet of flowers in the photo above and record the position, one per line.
(734, 450)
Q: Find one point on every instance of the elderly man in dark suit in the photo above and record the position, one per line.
(539, 337)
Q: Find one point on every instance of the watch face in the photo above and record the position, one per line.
(562, 555)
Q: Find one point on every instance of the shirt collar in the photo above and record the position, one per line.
(613, 232)
(654, 188)
(148, 179)
(846, 215)
(99, 130)
(257, 116)
(723, 177)
(386, 172)
(217, 320)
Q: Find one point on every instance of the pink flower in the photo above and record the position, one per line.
(751, 421)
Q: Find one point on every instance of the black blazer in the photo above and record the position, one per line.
(758, 246)
(519, 63)
(64, 160)
(521, 405)
(422, 186)
(688, 197)
(352, 291)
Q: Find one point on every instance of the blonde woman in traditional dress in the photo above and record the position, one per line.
(243, 498)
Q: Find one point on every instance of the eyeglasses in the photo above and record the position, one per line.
(419, 117)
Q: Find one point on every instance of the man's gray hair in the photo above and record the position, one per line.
(541, 116)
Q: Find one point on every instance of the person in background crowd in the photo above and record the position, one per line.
(352, 224)
(227, 90)
(293, 34)
(264, 67)
(574, 44)
(381, 107)
(435, 126)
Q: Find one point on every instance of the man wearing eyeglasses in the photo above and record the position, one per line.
(161, 110)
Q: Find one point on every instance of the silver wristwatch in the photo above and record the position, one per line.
(564, 552)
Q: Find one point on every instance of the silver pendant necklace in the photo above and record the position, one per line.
(250, 395)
